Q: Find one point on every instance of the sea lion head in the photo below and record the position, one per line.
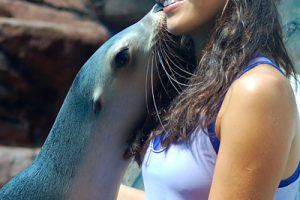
(114, 83)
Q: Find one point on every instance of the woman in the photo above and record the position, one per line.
(233, 133)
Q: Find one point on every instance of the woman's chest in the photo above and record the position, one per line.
(181, 169)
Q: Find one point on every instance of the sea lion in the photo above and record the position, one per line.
(82, 157)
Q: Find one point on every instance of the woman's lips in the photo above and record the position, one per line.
(173, 6)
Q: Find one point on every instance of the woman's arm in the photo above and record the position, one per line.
(256, 131)
(129, 193)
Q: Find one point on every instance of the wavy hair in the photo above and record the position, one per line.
(244, 28)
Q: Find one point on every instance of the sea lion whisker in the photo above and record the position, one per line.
(170, 68)
(160, 78)
(168, 75)
(175, 74)
(180, 75)
(146, 81)
(177, 66)
(174, 64)
(169, 40)
(169, 36)
(154, 101)
(172, 79)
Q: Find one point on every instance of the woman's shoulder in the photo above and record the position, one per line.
(262, 78)
(261, 91)
(256, 129)
(261, 85)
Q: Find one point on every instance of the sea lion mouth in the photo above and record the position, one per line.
(158, 7)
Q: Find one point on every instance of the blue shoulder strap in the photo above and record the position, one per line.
(213, 137)
(258, 60)
(291, 179)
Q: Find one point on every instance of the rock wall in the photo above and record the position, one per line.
(13, 160)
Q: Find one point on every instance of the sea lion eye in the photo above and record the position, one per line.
(122, 58)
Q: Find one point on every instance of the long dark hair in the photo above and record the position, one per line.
(244, 29)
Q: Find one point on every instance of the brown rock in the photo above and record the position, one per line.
(111, 11)
(30, 11)
(13, 161)
(49, 49)
(5, 162)
(68, 4)
(49, 56)
(11, 82)
(13, 131)
(14, 127)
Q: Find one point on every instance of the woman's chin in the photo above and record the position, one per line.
(178, 28)
(174, 30)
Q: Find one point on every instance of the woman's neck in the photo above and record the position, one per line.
(200, 38)
(199, 42)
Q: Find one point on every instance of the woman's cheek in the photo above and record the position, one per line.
(184, 24)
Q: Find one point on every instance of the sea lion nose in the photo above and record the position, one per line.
(157, 7)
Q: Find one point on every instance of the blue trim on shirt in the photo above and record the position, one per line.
(156, 145)
(260, 63)
(291, 179)
(213, 138)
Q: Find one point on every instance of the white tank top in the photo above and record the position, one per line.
(184, 171)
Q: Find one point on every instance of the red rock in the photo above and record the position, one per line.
(26, 10)
(69, 4)
(13, 132)
(14, 127)
(13, 161)
(111, 11)
(49, 49)
(5, 161)
(50, 55)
